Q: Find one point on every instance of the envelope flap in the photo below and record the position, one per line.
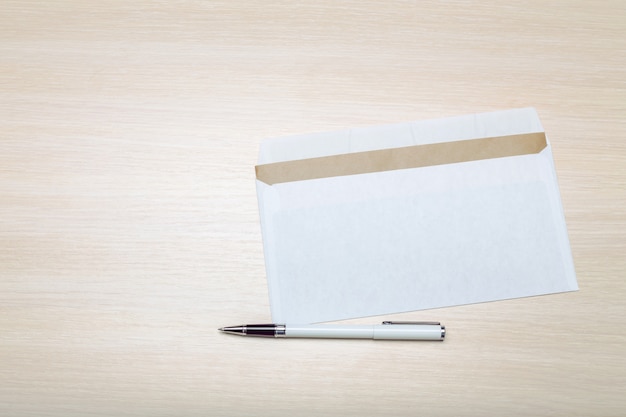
(362, 139)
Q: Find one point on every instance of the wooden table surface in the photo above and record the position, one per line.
(129, 228)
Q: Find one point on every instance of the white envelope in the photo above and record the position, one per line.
(411, 216)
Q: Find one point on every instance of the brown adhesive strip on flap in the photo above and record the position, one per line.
(401, 158)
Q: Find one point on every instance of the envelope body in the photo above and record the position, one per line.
(411, 216)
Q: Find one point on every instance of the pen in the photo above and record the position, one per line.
(388, 330)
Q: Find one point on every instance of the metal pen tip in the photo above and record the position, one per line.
(221, 329)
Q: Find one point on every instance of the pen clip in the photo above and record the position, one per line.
(433, 323)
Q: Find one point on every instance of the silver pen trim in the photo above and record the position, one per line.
(280, 330)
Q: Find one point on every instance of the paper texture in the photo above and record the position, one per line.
(382, 238)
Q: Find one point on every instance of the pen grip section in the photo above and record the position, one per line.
(260, 330)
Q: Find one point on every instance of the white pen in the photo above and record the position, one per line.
(388, 330)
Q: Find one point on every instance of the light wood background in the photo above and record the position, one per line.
(128, 219)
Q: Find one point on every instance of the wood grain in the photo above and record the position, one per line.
(128, 219)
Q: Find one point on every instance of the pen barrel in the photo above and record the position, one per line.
(329, 332)
(378, 332)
